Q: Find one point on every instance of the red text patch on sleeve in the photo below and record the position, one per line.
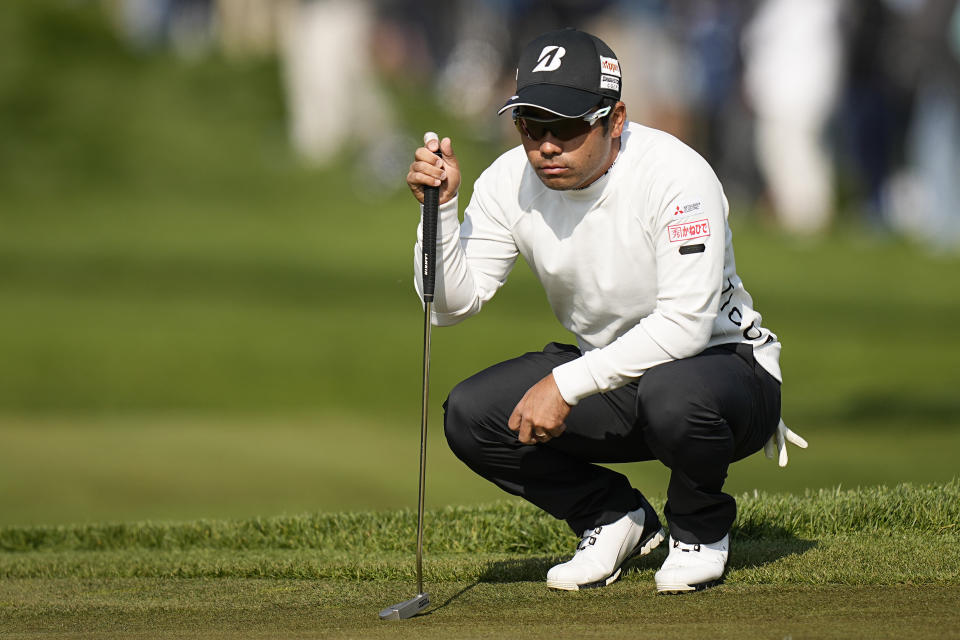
(688, 230)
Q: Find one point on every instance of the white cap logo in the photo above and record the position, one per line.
(549, 58)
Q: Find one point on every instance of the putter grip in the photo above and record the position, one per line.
(428, 265)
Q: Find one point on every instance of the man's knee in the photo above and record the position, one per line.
(462, 410)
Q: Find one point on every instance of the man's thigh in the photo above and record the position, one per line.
(722, 386)
(600, 428)
(604, 428)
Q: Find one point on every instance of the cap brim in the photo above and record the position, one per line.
(565, 102)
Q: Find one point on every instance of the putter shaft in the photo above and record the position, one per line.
(431, 203)
(423, 440)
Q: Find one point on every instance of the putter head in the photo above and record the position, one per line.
(406, 609)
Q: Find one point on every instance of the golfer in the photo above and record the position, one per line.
(626, 229)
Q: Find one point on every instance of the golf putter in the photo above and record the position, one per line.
(431, 200)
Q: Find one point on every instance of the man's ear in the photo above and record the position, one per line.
(618, 119)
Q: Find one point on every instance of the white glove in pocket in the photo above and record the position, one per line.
(778, 443)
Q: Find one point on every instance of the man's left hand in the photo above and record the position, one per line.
(539, 415)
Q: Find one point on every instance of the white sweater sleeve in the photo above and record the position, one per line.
(475, 258)
(688, 294)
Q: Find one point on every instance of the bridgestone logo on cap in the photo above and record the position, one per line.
(609, 66)
(550, 59)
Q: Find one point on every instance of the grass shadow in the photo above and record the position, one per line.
(451, 598)
(754, 545)
(532, 569)
(756, 553)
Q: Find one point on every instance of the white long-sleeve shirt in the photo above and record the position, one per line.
(638, 266)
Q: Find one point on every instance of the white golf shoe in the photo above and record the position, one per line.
(692, 567)
(604, 549)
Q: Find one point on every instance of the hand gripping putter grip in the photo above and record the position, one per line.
(431, 203)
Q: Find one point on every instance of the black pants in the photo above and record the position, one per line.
(695, 415)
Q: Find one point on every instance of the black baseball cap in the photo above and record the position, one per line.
(566, 72)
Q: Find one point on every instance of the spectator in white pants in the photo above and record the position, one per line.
(793, 55)
(332, 94)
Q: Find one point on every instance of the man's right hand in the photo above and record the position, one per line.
(430, 170)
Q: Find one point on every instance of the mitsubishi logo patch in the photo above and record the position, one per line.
(549, 58)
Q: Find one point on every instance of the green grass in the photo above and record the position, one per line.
(79, 469)
(200, 334)
(230, 608)
(907, 533)
(195, 325)
(510, 526)
(856, 563)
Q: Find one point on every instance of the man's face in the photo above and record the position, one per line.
(578, 161)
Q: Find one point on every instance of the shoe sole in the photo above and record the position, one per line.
(669, 589)
(643, 547)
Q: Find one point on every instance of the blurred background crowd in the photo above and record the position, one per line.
(803, 107)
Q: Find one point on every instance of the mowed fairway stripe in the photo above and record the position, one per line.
(844, 586)
(235, 608)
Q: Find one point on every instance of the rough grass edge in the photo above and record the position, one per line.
(511, 527)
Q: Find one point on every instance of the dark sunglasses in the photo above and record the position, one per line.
(560, 128)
